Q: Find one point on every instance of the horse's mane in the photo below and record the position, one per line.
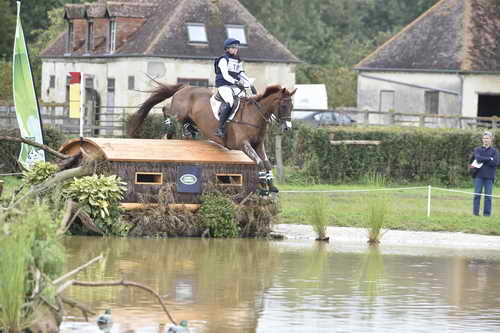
(268, 92)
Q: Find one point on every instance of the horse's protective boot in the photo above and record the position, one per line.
(225, 111)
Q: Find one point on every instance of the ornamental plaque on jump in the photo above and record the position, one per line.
(188, 179)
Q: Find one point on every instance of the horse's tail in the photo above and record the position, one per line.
(161, 93)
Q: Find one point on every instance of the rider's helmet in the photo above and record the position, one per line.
(231, 42)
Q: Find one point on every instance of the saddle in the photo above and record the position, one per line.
(216, 101)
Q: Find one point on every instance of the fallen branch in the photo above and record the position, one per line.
(76, 270)
(74, 304)
(35, 144)
(117, 283)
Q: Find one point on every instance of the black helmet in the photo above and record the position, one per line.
(231, 42)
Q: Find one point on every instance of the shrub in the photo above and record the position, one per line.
(39, 172)
(218, 213)
(100, 197)
(28, 239)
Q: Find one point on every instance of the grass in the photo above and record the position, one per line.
(377, 212)
(449, 211)
(316, 214)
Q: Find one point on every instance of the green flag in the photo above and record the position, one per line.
(25, 100)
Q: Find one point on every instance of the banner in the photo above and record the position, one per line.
(74, 95)
(25, 100)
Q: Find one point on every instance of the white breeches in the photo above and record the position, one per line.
(227, 92)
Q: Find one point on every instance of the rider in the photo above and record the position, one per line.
(229, 79)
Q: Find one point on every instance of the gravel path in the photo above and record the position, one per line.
(394, 237)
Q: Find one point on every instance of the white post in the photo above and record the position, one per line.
(429, 200)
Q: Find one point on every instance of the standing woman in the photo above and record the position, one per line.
(488, 156)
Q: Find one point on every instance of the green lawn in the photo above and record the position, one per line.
(407, 209)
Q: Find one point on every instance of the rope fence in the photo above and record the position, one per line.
(429, 189)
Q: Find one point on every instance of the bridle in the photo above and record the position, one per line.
(283, 106)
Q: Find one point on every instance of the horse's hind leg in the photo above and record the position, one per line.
(189, 128)
(169, 127)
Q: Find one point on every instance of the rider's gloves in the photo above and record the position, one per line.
(240, 84)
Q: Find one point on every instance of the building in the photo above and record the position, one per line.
(119, 46)
(446, 62)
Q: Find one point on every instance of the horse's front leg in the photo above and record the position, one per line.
(248, 149)
(261, 151)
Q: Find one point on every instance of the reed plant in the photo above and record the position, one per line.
(15, 253)
(316, 215)
(377, 213)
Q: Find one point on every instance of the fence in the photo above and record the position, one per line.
(366, 117)
(98, 120)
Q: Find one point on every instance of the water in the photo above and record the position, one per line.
(289, 286)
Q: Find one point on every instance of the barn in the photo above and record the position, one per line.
(189, 165)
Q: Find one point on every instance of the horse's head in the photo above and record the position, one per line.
(285, 106)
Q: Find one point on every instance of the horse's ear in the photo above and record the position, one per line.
(293, 92)
(283, 90)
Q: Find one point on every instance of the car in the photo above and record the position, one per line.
(324, 118)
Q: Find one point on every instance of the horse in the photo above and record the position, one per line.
(246, 131)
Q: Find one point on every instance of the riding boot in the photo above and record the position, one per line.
(224, 115)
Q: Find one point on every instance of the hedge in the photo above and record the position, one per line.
(405, 155)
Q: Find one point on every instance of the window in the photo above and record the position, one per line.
(111, 92)
(111, 85)
(230, 179)
(112, 36)
(237, 32)
(89, 43)
(197, 33)
(194, 82)
(149, 178)
(386, 100)
(432, 102)
(52, 81)
(69, 38)
(131, 82)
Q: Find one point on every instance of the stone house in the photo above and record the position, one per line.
(446, 62)
(120, 45)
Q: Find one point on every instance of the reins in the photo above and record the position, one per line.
(258, 109)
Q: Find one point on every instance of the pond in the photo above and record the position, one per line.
(248, 285)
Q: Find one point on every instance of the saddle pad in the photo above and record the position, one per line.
(215, 104)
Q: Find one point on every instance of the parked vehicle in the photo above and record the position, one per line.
(324, 118)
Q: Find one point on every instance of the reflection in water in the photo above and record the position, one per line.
(258, 286)
(372, 273)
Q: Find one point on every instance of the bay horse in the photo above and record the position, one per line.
(245, 132)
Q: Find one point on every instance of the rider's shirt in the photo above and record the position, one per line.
(228, 70)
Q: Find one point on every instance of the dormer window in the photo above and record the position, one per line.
(237, 32)
(89, 42)
(69, 39)
(197, 33)
(112, 36)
